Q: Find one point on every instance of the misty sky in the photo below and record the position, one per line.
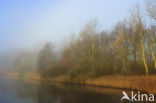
(26, 22)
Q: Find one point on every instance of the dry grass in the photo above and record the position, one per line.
(33, 76)
(10, 74)
(141, 83)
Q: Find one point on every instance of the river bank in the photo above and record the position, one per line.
(10, 74)
(140, 83)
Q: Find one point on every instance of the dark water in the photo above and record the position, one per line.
(24, 91)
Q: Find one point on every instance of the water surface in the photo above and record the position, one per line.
(24, 91)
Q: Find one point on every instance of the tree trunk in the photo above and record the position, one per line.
(143, 54)
(153, 56)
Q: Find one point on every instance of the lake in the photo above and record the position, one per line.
(25, 91)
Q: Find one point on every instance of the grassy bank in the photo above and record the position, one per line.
(10, 74)
(141, 83)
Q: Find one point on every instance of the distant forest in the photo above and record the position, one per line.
(128, 49)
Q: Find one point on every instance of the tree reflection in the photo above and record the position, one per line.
(72, 94)
(44, 92)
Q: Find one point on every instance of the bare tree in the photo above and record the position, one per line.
(151, 8)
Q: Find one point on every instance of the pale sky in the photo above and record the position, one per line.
(25, 22)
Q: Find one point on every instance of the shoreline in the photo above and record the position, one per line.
(135, 83)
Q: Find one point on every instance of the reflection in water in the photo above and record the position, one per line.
(22, 91)
(56, 94)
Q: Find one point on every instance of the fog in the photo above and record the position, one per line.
(27, 25)
(11, 59)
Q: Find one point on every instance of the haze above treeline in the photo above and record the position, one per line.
(27, 23)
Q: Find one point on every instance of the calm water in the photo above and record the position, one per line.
(24, 91)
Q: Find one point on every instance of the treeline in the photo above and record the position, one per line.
(128, 49)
